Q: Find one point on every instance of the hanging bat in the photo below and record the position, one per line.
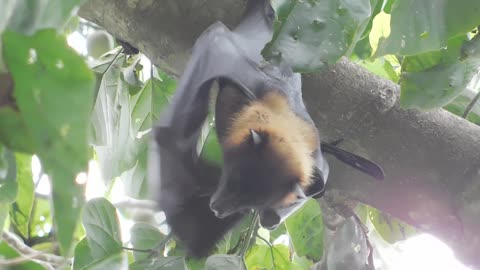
(271, 148)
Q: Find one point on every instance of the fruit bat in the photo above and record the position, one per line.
(272, 155)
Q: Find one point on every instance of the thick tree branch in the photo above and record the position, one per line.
(431, 159)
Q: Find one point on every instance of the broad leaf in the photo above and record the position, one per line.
(427, 25)
(103, 231)
(122, 136)
(221, 262)
(144, 236)
(29, 16)
(82, 256)
(434, 79)
(391, 229)
(51, 82)
(305, 228)
(13, 131)
(310, 34)
(195, 264)
(363, 49)
(264, 256)
(116, 261)
(162, 263)
(21, 209)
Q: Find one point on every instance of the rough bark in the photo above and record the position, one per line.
(431, 159)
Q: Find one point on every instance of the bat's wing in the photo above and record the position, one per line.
(220, 53)
(357, 162)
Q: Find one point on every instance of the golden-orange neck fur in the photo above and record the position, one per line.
(290, 136)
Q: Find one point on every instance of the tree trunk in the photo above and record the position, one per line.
(431, 159)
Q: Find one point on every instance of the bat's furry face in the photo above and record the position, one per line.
(267, 155)
(254, 176)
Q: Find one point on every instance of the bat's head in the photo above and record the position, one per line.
(268, 158)
(254, 176)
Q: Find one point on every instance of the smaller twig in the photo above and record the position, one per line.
(139, 250)
(113, 61)
(471, 105)
(271, 249)
(367, 240)
(27, 253)
(133, 203)
(251, 227)
(163, 242)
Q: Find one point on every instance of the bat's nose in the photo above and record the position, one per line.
(217, 209)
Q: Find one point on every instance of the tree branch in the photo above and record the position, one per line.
(431, 159)
(29, 254)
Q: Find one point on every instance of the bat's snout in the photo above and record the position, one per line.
(220, 208)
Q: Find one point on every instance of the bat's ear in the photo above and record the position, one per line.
(257, 139)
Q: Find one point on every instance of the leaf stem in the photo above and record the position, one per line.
(271, 249)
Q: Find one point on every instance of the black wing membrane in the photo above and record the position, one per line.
(357, 162)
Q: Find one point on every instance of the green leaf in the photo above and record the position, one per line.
(305, 228)
(21, 209)
(144, 236)
(260, 257)
(116, 261)
(29, 16)
(103, 231)
(51, 82)
(221, 262)
(436, 21)
(363, 49)
(389, 228)
(82, 256)
(301, 263)
(195, 264)
(146, 107)
(381, 67)
(8, 175)
(362, 212)
(14, 132)
(161, 263)
(122, 136)
(230, 242)
(434, 79)
(310, 34)
(7, 252)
